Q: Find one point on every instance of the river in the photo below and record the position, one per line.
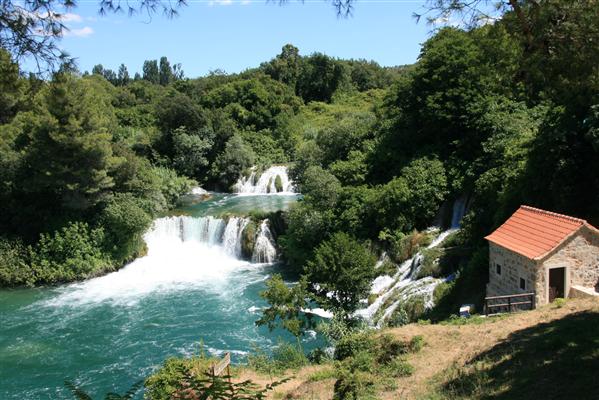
(191, 290)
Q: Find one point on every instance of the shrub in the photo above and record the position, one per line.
(259, 361)
(74, 252)
(416, 343)
(442, 290)
(403, 247)
(171, 185)
(14, 269)
(415, 308)
(248, 240)
(398, 318)
(353, 384)
(318, 356)
(559, 302)
(124, 221)
(389, 348)
(289, 356)
(430, 263)
(399, 367)
(353, 343)
(164, 383)
(285, 356)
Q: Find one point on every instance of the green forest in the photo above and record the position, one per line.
(496, 115)
(499, 113)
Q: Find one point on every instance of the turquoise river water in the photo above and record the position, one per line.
(107, 333)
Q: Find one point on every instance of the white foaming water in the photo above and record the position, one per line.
(406, 285)
(182, 252)
(265, 184)
(232, 235)
(264, 249)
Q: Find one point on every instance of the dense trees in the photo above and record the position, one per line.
(376, 151)
(494, 113)
(76, 195)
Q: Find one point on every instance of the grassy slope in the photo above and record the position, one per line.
(549, 353)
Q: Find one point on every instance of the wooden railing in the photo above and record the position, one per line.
(509, 303)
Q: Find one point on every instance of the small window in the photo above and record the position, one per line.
(498, 269)
(522, 283)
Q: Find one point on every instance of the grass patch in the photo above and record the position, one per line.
(553, 360)
(322, 375)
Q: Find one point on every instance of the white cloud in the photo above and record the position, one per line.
(70, 17)
(220, 2)
(82, 32)
(245, 2)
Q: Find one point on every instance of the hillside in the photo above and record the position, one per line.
(548, 353)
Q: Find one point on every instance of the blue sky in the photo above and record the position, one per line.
(236, 34)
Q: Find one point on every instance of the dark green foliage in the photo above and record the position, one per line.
(367, 364)
(285, 356)
(229, 165)
(11, 87)
(14, 267)
(344, 267)
(285, 306)
(289, 356)
(71, 253)
(150, 71)
(124, 221)
(80, 394)
(248, 238)
(320, 187)
(306, 229)
(190, 152)
(77, 190)
(320, 77)
(352, 344)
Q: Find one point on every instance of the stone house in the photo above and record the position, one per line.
(541, 252)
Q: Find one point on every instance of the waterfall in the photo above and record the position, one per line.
(182, 251)
(403, 285)
(266, 182)
(264, 249)
(207, 230)
(459, 209)
(232, 235)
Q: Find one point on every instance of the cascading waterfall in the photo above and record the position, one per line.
(264, 249)
(266, 183)
(405, 283)
(207, 230)
(182, 251)
(232, 235)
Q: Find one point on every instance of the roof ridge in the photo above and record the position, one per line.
(554, 214)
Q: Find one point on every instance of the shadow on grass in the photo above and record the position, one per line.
(554, 360)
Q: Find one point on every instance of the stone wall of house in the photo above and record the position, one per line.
(580, 255)
(513, 267)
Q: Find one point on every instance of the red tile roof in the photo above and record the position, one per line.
(533, 232)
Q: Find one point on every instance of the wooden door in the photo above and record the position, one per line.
(557, 283)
